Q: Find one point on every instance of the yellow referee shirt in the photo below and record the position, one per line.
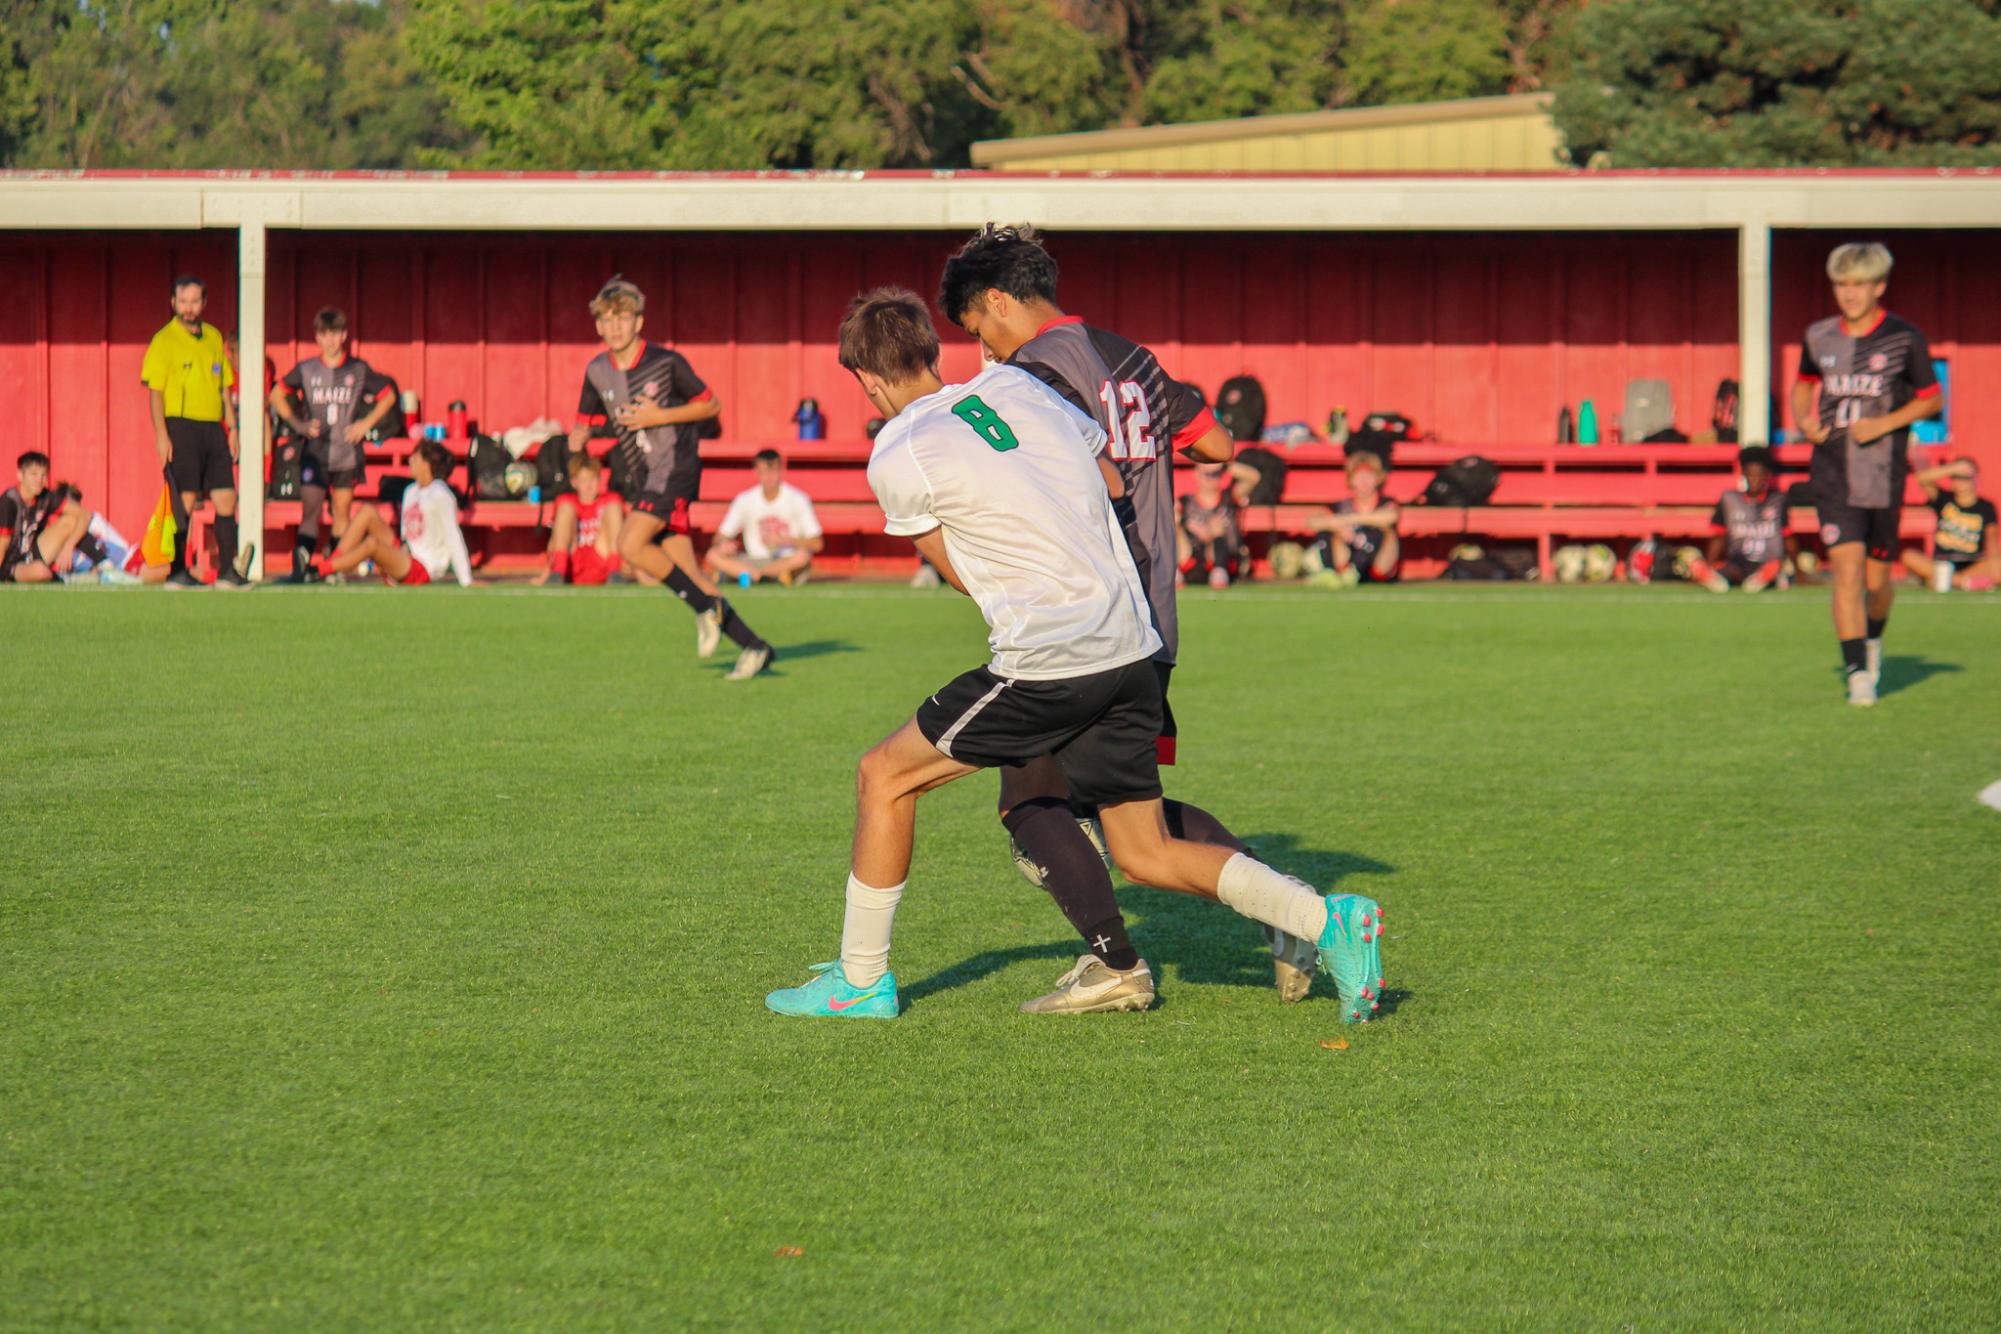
(192, 373)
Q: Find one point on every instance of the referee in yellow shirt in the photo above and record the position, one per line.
(188, 378)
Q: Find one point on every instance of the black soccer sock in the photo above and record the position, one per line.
(312, 499)
(681, 586)
(1855, 655)
(1196, 825)
(1074, 875)
(1876, 624)
(735, 627)
(91, 549)
(225, 542)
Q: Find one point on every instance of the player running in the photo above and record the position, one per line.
(432, 545)
(342, 400)
(654, 399)
(1001, 288)
(1874, 376)
(1003, 488)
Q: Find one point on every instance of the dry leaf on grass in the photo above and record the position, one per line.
(790, 1252)
(1337, 1044)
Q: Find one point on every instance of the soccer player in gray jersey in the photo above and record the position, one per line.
(1750, 544)
(1001, 288)
(653, 400)
(340, 400)
(1873, 374)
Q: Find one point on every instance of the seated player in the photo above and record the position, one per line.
(432, 544)
(1965, 537)
(41, 526)
(1750, 545)
(770, 531)
(1209, 535)
(583, 537)
(1358, 543)
(340, 399)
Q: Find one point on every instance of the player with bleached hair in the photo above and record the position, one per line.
(1003, 487)
(1873, 376)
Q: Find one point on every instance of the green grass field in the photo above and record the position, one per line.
(385, 959)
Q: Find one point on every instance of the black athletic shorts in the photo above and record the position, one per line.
(1101, 728)
(670, 501)
(1841, 524)
(200, 458)
(313, 471)
(1163, 745)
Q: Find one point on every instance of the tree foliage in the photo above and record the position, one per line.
(1717, 83)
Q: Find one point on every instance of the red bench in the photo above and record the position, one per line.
(1547, 495)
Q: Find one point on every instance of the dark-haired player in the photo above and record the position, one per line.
(654, 401)
(39, 526)
(1874, 376)
(1001, 288)
(432, 546)
(340, 400)
(1750, 545)
(1964, 541)
(1003, 488)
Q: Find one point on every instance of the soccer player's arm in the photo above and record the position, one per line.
(1196, 432)
(590, 415)
(153, 374)
(293, 382)
(1719, 535)
(384, 391)
(228, 404)
(905, 496)
(1926, 398)
(731, 528)
(808, 536)
(700, 402)
(445, 512)
(1806, 389)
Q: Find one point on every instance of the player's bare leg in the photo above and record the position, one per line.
(368, 537)
(1345, 927)
(55, 546)
(644, 544)
(610, 522)
(563, 529)
(341, 501)
(1850, 573)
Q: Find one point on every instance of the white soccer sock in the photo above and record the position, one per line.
(1263, 895)
(865, 932)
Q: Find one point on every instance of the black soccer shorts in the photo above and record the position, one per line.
(1101, 728)
(199, 459)
(1841, 524)
(667, 496)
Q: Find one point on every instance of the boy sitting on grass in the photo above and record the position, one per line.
(1358, 543)
(432, 544)
(583, 538)
(1750, 544)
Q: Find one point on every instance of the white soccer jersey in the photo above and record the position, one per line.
(1008, 470)
(769, 526)
(431, 531)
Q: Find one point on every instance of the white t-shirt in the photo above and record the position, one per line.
(1009, 471)
(431, 531)
(770, 527)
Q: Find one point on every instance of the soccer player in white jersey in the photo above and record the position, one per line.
(1003, 487)
(432, 545)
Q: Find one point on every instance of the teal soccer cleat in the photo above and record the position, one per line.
(1351, 951)
(828, 996)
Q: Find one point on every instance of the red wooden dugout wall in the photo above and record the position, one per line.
(1478, 337)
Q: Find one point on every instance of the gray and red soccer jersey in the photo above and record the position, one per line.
(336, 397)
(1864, 375)
(1753, 527)
(657, 455)
(1148, 414)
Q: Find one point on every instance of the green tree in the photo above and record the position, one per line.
(1216, 59)
(1820, 82)
(1425, 51)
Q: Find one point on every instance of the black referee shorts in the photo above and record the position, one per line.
(1101, 728)
(200, 456)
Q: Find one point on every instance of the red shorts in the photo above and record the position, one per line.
(588, 567)
(418, 575)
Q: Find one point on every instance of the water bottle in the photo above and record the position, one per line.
(456, 420)
(812, 425)
(1587, 423)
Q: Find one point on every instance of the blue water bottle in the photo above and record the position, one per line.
(812, 426)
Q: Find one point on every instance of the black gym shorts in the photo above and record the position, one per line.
(1101, 728)
(200, 455)
(1841, 524)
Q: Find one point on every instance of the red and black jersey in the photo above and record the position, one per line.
(336, 397)
(1753, 527)
(1864, 375)
(21, 523)
(1147, 414)
(658, 373)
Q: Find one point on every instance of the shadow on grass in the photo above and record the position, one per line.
(1208, 944)
(784, 654)
(985, 964)
(1901, 673)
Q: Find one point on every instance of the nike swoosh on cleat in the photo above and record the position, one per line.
(838, 1006)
